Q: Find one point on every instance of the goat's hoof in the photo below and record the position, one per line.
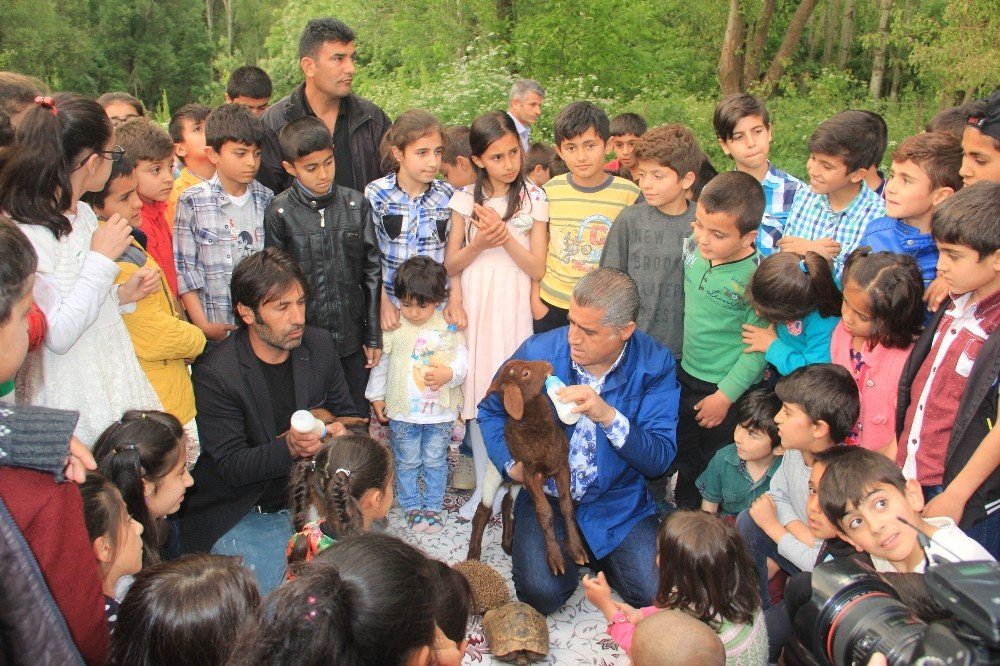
(556, 562)
(578, 554)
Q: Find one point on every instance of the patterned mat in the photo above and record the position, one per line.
(576, 631)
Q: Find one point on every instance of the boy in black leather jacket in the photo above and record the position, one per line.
(329, 230)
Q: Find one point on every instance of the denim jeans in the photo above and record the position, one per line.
(420, 447)
(260, 539)
(987, 533)
(630, 568)
(761, 547)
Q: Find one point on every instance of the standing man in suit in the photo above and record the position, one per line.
(246, 390)
(525, 105)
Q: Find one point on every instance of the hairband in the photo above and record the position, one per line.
(346, 472)
(47, 103)
(803, 267)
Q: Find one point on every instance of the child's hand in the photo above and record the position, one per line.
(935, 293)
(712, 410)
(378, 406)
(141, 284)
(437, 375)
(454, 313)
(827, 247)
(945, 504)
(763, 511)
(491, 230)
(217, 332)
(631, 613)
(112, 237)
(599, 593)
(372, 356)
(388, 315)
(79, 461)
(758, 339)
(446, 651)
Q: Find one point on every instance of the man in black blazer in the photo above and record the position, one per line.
(246, 390)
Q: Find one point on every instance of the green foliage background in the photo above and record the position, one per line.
(457, 58)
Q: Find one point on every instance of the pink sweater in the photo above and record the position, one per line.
(878, 384)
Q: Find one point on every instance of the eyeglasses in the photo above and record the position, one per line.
(114, 154)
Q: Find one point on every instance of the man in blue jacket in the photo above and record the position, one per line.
(624, 384)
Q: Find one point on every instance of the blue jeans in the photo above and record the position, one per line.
(260, 539)
(987, 533)
(630, 568)
(761, 547)
(420, 447)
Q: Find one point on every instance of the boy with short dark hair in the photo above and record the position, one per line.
(583, 204)
(329, 230)
(878, 511)
(456, 158)
(152, 153)
(647, 239)
(187, 130)
(924, 173)
(819, 407)
(875, 179)
(947, 401)
(952, 120)
(830, 215)
(221, 221)
(981, 141)
(538, 162)
(714, 372)
(743, 128)
(741, 472)
(251, 87)
(626, 130)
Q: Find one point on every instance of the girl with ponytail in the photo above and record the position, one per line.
(799, 297)
(65, 147)
(143, 454)
(347, 484)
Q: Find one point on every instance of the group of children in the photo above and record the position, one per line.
(805, 316)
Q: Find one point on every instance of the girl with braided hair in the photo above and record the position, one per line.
(340, 491)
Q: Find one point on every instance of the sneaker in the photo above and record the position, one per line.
(464, 477)
(433, 522)
(415, 520)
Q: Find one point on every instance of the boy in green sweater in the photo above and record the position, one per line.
(714, 372)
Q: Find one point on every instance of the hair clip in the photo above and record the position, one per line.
(346, 472)
(311, 465)
(143, 415)
(47, 103)
(125, 447)
(803, 267)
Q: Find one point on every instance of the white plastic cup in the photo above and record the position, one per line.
(303, 421)
(563, 409)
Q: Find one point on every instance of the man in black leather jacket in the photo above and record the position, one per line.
(330, 232)
(327, 58)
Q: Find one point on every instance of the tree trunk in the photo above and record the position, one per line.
(731, 59)
(227, 5)
(846, 33)
(505, 14)
(755, 51)
(789, 42)
(208, 20)
(830, 29)
(881, 50)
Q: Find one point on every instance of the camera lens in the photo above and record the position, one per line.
(873, 622)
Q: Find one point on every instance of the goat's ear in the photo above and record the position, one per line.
(513, 402)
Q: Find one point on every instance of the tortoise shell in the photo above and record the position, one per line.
(517, 633)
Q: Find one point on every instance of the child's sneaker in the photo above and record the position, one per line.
(415, 520)
(433, 522)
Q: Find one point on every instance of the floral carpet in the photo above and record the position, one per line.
(576, 631)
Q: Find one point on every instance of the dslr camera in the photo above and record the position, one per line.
(854, 613)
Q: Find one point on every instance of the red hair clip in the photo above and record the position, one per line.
(47, 103)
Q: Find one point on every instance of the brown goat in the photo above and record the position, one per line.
(537, 442)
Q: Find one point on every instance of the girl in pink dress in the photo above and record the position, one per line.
(882, 312)
(497, 245)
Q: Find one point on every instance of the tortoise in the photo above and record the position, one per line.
(517, 633)
(489, 589)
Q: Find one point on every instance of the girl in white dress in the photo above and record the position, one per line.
(65, 148)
